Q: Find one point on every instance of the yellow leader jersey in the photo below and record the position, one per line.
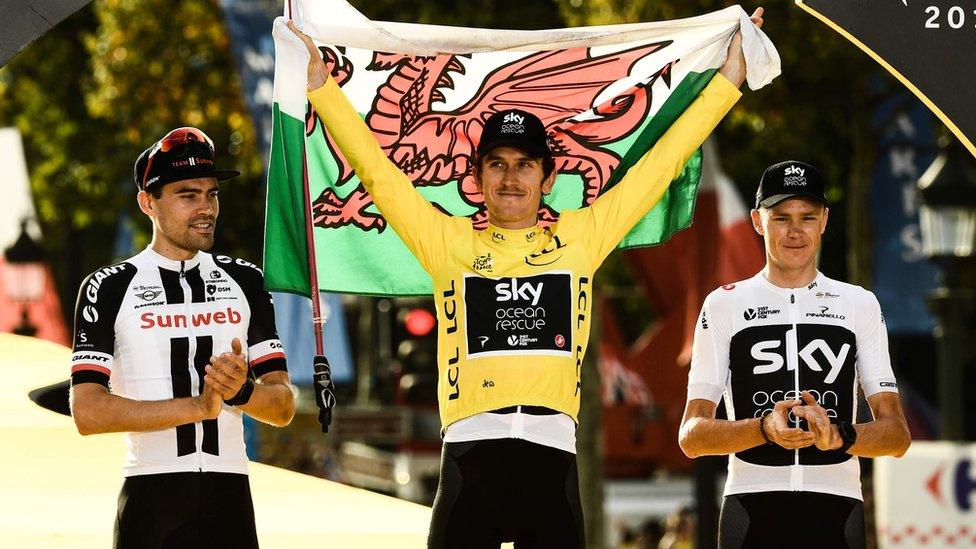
(513, 306)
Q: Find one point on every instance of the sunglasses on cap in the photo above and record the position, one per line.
(176, 138)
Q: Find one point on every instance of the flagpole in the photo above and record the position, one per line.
(317, 320)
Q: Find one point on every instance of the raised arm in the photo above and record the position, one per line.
(616, 212)
(418, 223)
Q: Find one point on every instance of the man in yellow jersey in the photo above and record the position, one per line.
(513, 307)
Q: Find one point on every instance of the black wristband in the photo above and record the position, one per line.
(762, 424)
(243, 396)
(847, 434)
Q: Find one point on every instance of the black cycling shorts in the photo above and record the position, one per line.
(791, 519)
(185, 510)
(506, 490)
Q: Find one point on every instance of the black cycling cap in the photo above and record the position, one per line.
(515, 128)
(789, 179)
(183, 153)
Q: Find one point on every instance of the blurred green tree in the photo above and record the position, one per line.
(489, 14)
(105, 84)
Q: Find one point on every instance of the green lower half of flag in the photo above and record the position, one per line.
(351, 259)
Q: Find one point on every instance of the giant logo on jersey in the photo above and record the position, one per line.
(518, 315)
(95, 282)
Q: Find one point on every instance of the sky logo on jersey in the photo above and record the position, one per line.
(770, 362)
(518, 315)
(151, 320)
(514, 291)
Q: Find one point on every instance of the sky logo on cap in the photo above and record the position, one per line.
(794, 176)
(513, 123)
(795, 170)
(514, 117)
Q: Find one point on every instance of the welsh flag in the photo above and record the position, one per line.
(605, 95)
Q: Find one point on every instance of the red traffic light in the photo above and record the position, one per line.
(419, 322)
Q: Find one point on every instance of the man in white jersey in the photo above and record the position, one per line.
(788, 348)
(186, 341)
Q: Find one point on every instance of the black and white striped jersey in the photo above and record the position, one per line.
(147, 327)
(758, 344)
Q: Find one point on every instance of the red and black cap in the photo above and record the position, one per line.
(183, 153)
(515, 128)
(789, 179)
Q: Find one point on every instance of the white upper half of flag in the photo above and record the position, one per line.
(699, 43)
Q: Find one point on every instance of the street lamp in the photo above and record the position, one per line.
(24, 277)
(947, 221)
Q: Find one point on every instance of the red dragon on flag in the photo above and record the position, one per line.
(435, 147)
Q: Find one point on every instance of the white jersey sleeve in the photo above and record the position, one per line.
(873, 360)
(710, 352)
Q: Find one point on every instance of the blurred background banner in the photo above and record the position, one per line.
(928, 497)
(913, 37)
(23, 21)
(249, 25)
(903, 277)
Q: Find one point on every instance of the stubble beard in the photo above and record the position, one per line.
(193, 243)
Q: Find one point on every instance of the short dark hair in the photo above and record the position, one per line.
(156, 191)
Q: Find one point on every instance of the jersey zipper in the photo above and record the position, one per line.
(187, 298)
(792, 357)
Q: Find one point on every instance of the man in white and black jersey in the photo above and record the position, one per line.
(172, 347)
(789, 348)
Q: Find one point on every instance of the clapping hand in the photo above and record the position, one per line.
(827, 437)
